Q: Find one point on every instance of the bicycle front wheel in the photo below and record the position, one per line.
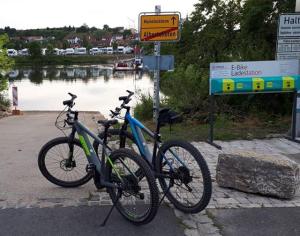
(184, 176)
(137, 200)
(56, 166)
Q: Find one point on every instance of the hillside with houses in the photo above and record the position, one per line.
(73, 37)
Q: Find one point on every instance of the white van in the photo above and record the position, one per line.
(120, 49)
(24, 52)
(128, 50)
(44, 51)
(69, 51)
(103, 50)
(12, 52)
(56, 51)
(109, 50)
(80, 51)
(94, 51)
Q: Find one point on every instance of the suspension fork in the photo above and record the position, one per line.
(71, 144)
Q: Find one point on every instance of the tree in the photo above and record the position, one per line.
(50, 49)
(35, 50)
(114, 45)
(106, 28)
(6, 64)
(83, 29)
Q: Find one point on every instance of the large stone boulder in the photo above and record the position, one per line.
(273, 175)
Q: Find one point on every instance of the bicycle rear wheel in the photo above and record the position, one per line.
(138, 201)
(188, 185)
(54, 164)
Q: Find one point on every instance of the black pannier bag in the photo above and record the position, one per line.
(167, 116)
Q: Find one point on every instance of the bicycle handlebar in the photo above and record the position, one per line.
(70, 103)
(126, 100)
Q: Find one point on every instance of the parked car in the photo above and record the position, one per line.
(109, 50)
(80, 51)
(12, 52)
(69, 51)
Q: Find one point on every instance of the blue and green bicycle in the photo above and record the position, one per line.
(179, 167)
(70, 162)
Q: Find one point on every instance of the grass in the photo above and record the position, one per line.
(225, 129)
(69, 60)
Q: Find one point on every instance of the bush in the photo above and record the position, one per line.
(5, 65)
(144, 108)
(186, 89)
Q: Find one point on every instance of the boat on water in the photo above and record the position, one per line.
(129, 65)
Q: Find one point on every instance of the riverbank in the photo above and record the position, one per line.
(70, 60)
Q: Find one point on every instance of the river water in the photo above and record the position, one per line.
(96, 87)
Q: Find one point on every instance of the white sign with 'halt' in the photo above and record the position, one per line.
(288, 37)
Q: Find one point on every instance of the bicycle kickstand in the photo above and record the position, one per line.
(111, 209)
(165, 193)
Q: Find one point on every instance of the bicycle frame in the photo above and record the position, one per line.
(137, 128)
(83, 133)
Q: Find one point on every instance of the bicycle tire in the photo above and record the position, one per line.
(54, 179)
(207, 183)
(148, 176)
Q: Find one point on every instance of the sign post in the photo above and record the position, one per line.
(15, 96)
(159, 27)
(288, 47)
(156, 99)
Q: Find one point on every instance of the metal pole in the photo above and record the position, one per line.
(156, 74)
(294, 116)
(211, 121)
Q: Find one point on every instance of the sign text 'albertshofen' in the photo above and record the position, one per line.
(162, 27)
(253, 77)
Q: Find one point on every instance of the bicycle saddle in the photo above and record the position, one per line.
(107, 123)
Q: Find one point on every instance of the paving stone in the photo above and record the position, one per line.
(191, 232)
(190, 224)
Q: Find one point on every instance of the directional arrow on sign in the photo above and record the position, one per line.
(173, 19)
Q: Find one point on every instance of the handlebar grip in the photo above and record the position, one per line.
(72, 95)
(130, 93)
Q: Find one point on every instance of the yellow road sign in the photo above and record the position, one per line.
(164, 27)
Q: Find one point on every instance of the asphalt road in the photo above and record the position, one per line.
(82, 221)
(258, 221)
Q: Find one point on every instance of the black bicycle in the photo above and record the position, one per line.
(180, 168)
(61, 161)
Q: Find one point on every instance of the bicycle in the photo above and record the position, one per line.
(174, 172)
(134, 197)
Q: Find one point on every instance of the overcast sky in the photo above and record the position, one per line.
(29, 14)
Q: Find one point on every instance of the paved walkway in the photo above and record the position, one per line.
(22, 185)
(223, 198)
